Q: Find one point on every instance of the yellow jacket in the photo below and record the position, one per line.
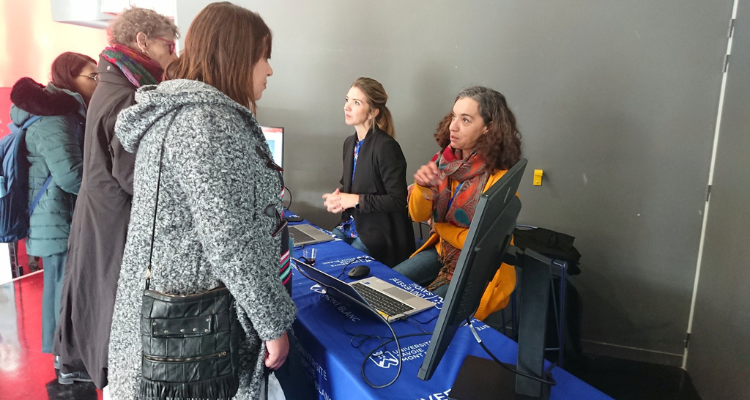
(498, 291)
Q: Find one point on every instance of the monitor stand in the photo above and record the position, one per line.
(483, 379)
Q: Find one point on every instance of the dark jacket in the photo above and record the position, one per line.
(53, 148)
(382, 220)
(98, 232)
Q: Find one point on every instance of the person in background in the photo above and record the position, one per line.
(372, 197)
(54, 144)
(219, 206)
(142, 44)
(479, 142)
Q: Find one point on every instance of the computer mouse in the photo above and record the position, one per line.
(360, 271)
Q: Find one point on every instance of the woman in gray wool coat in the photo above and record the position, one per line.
(218, 184)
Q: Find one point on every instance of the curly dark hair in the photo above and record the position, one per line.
(500, 147)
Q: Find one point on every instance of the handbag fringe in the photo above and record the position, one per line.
(220, 388)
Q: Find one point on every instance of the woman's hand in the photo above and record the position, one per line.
(276, 352)
(337, 202)
(428, 175)
(332, 201)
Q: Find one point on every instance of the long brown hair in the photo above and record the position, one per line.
(222, 45)
(500, 147)
(377, 97)
(66, 68)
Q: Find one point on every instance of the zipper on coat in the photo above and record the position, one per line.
(186, 359)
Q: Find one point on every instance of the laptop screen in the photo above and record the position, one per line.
(328, 281)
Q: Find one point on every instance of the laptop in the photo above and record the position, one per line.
(304, 234)
(390, 301)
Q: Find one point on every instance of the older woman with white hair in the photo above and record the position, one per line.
(142, 44)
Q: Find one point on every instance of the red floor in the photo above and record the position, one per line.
(26, 372)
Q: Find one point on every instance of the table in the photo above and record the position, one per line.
(325, 328)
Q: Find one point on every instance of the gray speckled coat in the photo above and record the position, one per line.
(210, 226)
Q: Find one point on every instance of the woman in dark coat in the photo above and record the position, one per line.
(54, 144)
(373, 191)
(141, 46)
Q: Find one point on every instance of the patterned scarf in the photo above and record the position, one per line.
(138, 68)
(458, 208)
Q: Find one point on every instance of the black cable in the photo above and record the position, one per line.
(426, 322)
(291, 198)
(550, 382)
(393, 333)
(358, 258)
(400, 357)
(364, 338)
(409, 319)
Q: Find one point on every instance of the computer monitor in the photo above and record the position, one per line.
(275, 139)
(483, 252)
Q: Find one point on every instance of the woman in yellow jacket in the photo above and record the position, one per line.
(479, 142)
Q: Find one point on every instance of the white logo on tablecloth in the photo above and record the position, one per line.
(419, 291)
(437, 396)
(317, 289)
(384, 359)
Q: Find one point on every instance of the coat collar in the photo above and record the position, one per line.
(32, 98)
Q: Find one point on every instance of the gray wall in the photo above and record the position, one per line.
(719, 353)
(616, 102)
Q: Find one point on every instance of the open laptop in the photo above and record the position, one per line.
(304, 234)
(390, 301)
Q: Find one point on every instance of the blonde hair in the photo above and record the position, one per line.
(123, 29)
(377, 97)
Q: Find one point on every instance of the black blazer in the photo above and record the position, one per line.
(382, 220)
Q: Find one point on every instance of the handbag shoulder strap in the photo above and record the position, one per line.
(156, 204)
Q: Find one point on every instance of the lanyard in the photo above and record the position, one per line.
(356, 157)
(454, 195)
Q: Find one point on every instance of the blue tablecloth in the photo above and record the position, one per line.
(330, 335)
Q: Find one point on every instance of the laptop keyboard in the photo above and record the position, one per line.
(381, 301)
(299, 236)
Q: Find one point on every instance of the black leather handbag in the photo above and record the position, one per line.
(190, 342)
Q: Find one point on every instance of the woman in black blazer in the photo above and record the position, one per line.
(373, 191)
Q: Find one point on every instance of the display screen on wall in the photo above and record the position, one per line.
(275, 139)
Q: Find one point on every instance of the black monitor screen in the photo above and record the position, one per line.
(482, 254)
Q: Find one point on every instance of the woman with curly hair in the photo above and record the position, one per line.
(479, 142)
(142, 44)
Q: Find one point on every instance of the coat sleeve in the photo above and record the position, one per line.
(58, 144)
(343, 156)
(220, 178)
(392, 168)
(123, 162)
(420, 209)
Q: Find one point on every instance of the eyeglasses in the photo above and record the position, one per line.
(171, 43)
(94, 76)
